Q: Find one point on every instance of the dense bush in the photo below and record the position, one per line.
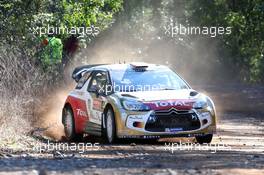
(24, 80)
(244, 48)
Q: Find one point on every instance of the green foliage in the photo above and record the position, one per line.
(246, 43)
(142, 20)
(241, 51)
(18, 19)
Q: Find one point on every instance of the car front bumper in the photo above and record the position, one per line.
(135, 124)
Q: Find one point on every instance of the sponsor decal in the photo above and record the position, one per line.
(97, 104)
(140, 137)
(166, 104)
(173, 129)
(81, 113)
(171, 103)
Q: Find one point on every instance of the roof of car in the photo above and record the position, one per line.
(125, 66)
(140, 66)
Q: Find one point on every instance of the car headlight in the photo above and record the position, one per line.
(211, 105)
(200, 104)
(133, 105)
(203, 103)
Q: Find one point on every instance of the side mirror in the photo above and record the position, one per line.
(96, 90)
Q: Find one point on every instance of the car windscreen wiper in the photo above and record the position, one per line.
(165, 89)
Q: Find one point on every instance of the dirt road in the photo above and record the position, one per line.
(237, 148)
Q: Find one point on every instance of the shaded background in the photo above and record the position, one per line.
(229, 68)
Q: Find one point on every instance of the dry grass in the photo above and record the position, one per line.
(23, 86)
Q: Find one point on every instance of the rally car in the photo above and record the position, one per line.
(136, 100)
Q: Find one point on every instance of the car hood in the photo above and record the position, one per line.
(165, 99)
(147, 96)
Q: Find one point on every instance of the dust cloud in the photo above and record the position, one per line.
(197, 62)
(50, 114)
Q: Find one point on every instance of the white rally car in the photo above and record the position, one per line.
(136, 100)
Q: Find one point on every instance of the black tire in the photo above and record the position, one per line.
(69, 126)
(103, 130)
(110, 130)
(204, 139)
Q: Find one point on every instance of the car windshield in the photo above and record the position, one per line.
(130, 80)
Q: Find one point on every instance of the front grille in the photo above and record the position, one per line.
(172, 120)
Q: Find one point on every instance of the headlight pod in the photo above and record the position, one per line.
(200, 104)
(133, 105)
(211, 105)
(205, 103)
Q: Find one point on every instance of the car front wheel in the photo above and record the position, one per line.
(110, 126)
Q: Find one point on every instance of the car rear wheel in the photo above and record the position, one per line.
(69, 126)
(204, 139)
(110, 126)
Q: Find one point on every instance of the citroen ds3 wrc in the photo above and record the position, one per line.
(136, 100)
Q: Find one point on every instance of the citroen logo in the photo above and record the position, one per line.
(194, 117)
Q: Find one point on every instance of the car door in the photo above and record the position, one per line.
(96, 100)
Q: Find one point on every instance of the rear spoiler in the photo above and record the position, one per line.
(78, 71)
